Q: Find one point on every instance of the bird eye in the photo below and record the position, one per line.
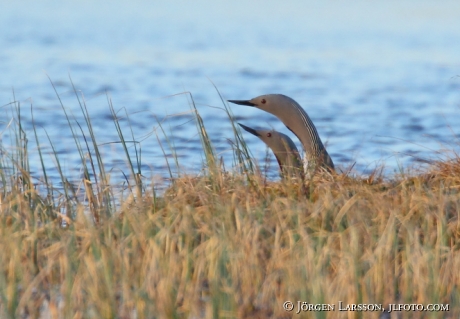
(263, 101)
(269, 134)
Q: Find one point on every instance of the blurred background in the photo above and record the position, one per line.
(380, 79)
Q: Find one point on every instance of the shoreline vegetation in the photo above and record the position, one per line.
(224, 243)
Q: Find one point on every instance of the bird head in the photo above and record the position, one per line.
(271, 103)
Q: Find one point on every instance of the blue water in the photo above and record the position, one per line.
(379, 79)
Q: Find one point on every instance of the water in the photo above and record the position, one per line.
(379, 79)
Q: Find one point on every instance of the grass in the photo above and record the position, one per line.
(223, 243)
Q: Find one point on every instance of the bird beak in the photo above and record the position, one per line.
(250, 130)
(242, 102)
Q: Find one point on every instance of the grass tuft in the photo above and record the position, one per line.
(222, 243)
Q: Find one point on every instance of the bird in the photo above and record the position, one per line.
(298, 122)
(283, 148)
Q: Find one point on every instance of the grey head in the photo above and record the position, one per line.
(297, 121)
(283, 148)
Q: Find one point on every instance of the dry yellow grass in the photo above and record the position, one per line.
(220, 247)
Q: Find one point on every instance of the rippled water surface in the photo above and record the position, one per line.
(379, 79)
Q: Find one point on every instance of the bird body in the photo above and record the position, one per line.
(298, 122)
(283, 148)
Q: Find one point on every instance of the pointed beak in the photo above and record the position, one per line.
(242, 102)
(250, 130)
